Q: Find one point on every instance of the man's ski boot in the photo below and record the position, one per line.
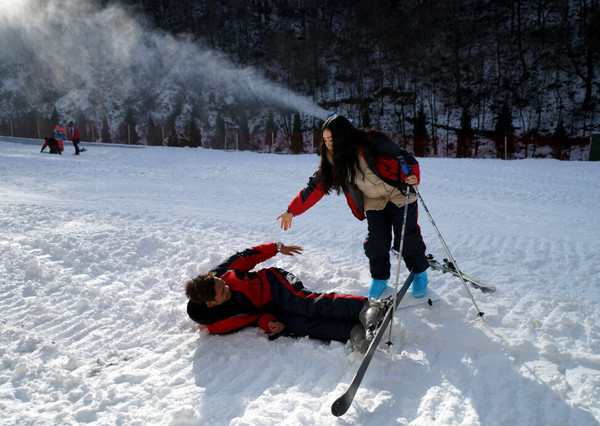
(358, 337)
(370, 317)
(371, 313)
(384, 306)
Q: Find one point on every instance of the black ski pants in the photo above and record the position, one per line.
(76, 145)
(377, 246)
(325, 316)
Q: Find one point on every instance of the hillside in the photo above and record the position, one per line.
(405, 67)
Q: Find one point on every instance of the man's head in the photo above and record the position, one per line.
(70, 123)
(208, 289)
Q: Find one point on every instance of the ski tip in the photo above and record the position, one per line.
(339, 407)
(480, 314)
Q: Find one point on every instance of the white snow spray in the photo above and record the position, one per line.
(100, 58)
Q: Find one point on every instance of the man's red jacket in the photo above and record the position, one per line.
(252, 301)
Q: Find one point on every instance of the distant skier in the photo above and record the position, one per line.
(60, 134)
(52, 144)
(231, 297)
(73, 136)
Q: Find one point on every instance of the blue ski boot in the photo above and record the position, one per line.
(377, 288)
(419, 285)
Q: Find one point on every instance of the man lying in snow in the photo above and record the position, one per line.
(232, 296)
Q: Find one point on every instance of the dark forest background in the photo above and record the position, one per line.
(447, 75)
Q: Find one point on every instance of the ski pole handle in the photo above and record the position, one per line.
(405, 169)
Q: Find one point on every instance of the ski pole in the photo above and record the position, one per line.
(399, 256)
(479, 312)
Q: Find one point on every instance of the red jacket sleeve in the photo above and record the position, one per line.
(246, 260)
(307, 197)
(237, 322)
(263, 321)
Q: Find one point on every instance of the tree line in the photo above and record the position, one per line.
(452, 75)
(383, 61)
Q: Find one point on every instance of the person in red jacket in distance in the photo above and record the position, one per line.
(233, 296)
(73, 135)
(53, 145)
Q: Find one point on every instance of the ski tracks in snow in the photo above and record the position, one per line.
(94, 329)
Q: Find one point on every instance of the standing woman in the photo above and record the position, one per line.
(367, 167)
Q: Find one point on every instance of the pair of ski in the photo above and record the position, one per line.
(342, 404)
(447, 266)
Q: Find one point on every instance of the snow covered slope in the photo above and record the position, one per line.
(95, 250)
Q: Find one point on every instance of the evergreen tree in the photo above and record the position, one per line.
(560, 142)
(105, 133)
(504, 133)
(504, 120)
(54, 117)
(297, 143)
(365, 117)
(244, 132)
(193, 133)
(421, 147)
(81, 123)
(171, 124)
(219, 139)
(154, 132)
(270, 132)
(128, 132)
(465, 135)
(27, 125)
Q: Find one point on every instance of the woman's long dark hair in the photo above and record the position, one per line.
(346, 139)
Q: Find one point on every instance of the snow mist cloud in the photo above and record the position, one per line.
(98, 59)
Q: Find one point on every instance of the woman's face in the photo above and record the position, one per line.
(328, 139)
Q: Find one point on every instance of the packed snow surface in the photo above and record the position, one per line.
(95, 250)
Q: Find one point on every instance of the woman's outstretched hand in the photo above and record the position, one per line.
(286, 220)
